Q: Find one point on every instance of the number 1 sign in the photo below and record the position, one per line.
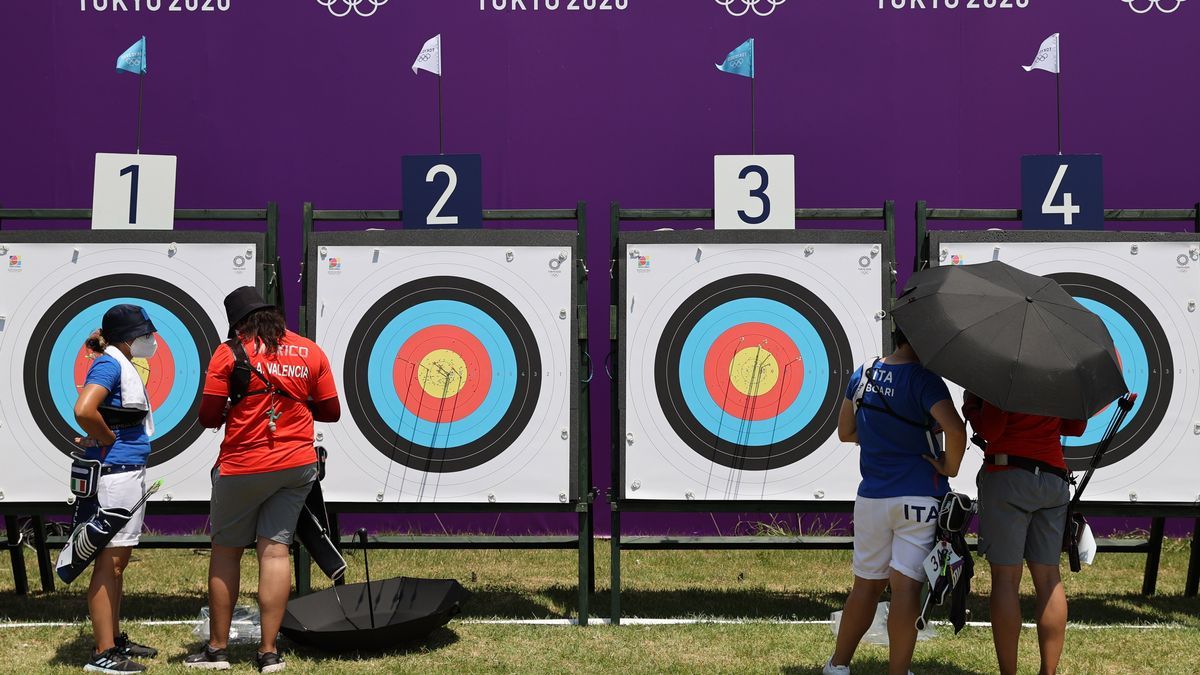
(1062, 192)
(754, 192)
(133, 192)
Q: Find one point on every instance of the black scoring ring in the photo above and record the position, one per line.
(1154, 401)
(57, 430)
(389, 441)
(786, 451)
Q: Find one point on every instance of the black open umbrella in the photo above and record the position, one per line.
(373, 616)
(1017, 340)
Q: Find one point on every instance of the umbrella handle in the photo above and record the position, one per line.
(362, 541)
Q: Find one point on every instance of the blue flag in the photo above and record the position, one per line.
(740, 61)
(134, 58)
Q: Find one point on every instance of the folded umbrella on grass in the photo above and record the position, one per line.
(91, 536)
(372, 616)
(1017, 340)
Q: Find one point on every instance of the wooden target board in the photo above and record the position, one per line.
(736, 349)
(456, 357)
(1145, 286)
(57, 287)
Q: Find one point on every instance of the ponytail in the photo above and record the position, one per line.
(96, 342)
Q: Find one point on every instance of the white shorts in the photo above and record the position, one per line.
(895, 533)
(123, 490)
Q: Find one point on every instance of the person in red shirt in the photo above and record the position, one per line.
(1023, 497)
(266, 466)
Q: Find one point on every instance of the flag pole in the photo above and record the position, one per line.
(753, 134)
(441, 137)
(1058, 96)
(141, 89)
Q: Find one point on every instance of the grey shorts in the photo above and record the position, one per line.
(245, 508)
(1022, 516)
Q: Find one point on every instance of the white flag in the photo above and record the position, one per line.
(430, 58)
(1048, 58)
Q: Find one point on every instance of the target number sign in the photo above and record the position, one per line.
(133, 192)
(442, 191)
(755, 192)
(1062, 192)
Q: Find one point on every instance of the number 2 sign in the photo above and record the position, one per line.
(1062, 192)
(442, 191)
(133, 192)
(756, 192)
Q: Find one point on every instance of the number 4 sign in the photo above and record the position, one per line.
(134, 192)
(1062, 192)
(754, 192)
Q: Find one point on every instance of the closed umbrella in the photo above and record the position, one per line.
(1018, 340)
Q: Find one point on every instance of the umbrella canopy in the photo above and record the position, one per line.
(1017, 340)
(373, 616)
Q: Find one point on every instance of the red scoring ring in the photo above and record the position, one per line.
(768, 404)
(406, 373)
(159, 382)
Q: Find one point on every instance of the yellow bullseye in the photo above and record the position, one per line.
(754, 371)
(443, 373)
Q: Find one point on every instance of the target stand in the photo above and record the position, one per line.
(1145, 286)
(458, 355)
(735, 349)
(58, 285)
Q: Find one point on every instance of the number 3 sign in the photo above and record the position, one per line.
(133, 192)
(1062, 192)
(442, 191)
(755, 192)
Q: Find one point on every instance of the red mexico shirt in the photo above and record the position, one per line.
(301, 369)
(1020, 435)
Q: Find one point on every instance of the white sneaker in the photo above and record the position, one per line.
(831, 669)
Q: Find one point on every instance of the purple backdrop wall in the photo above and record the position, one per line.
(281, 100)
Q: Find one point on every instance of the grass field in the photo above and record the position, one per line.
(762, 587)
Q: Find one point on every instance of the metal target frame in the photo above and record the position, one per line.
(928, 241)
(619, 503)
(583, 494)
(267, 281)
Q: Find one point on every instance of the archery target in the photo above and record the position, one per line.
(456, 367)
(56, 295)
(1141, 290)
(737, 357)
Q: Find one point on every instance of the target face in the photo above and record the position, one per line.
(1142, 298)
(63, 283)
(737, 357)
(456, 364)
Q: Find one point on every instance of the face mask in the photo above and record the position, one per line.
(143, 347)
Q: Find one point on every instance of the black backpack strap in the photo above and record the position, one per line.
(243, 372)
(886, 408)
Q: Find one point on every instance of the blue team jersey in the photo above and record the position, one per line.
(891, 450)
(133, 445)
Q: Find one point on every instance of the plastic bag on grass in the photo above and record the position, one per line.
(877, 634)
(246, 627)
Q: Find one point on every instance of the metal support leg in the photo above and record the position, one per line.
(335, 533)
(585, 564)
(1193, 573)
(1150, 579)
(17, 552)
(45, 565)
(303, 571)
(591, 544)
(615, 562)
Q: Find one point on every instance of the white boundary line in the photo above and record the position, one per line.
(633, 621)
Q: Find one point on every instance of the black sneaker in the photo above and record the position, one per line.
(112, 661)
(208, 659)
(130, 648)
(271, 662)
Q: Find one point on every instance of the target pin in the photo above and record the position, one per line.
(1133, 496)
(3, 321)
(1191, 307)
(1133, 249)
(635, 485)
(172, 250)
(74, 255)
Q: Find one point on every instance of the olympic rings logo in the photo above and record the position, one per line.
(770, 5)
(1153, 4)
(340, 8)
